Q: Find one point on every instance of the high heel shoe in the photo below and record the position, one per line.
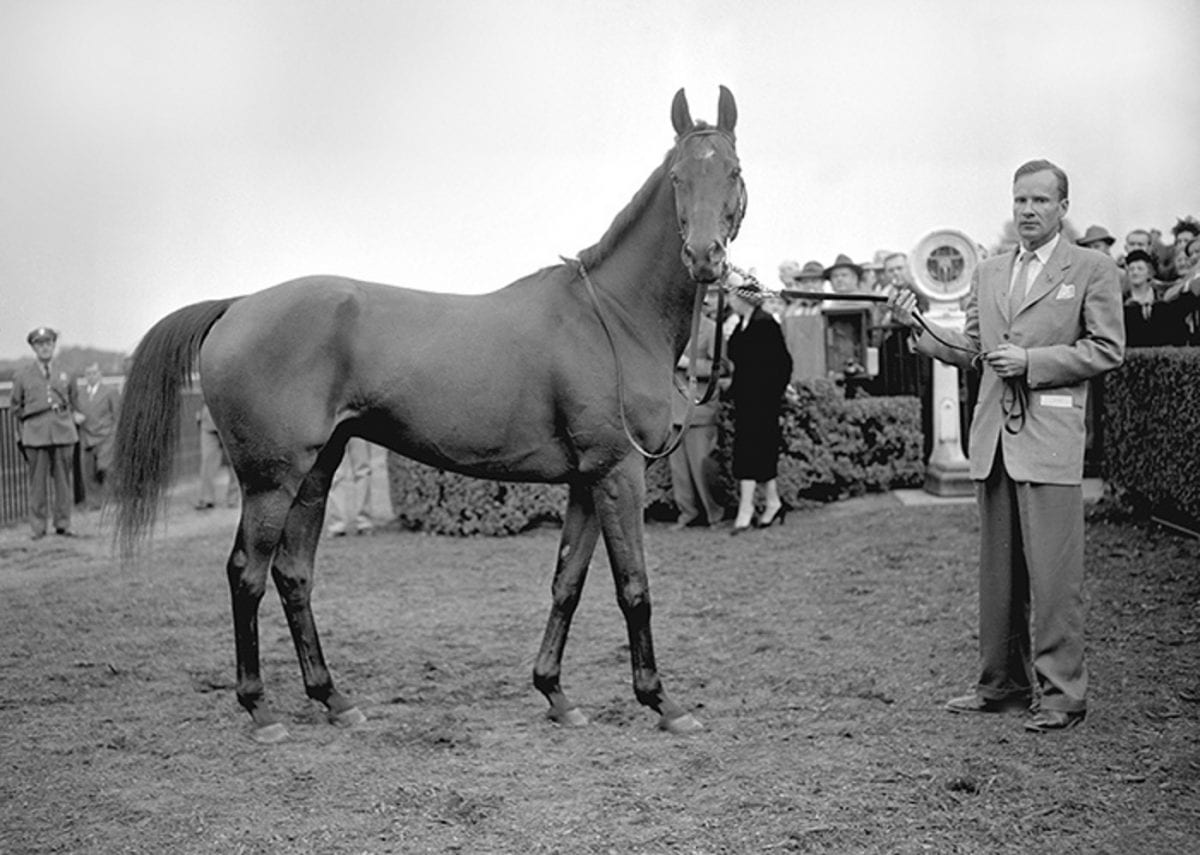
(740, 529)
(778, 517)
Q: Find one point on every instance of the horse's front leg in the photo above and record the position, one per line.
(619, 500)
(580, 532)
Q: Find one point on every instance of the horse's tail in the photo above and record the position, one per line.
(147, 433)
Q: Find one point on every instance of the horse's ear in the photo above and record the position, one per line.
(726, 111)
(681, 116)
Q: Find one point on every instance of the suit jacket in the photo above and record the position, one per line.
(1072, 326)
(45, 408)
(702, 414)
(99, 415)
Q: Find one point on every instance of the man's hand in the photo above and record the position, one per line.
(903, 303)
(1008, 360)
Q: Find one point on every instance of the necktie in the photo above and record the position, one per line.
(46, 370)
(1016, 294)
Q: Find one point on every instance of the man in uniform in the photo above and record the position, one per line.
(45, 402)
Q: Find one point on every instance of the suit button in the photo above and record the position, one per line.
(1004, 336)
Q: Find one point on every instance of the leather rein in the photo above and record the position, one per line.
(692, 379)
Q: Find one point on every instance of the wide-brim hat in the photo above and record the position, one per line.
(745, 286)
(41, 334)
(1096, 234)
(843, 260)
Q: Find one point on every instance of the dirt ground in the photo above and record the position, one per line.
(817, 654)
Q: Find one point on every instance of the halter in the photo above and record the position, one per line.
(692, 384)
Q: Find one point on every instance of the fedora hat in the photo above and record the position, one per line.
(843, 260)
(807, 278)
(1096, 234)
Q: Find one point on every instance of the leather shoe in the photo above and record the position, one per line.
(1047, 720)
(973, 703)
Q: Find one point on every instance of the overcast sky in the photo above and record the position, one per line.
(159, 152)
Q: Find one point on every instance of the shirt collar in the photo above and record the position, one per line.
(1046, 250)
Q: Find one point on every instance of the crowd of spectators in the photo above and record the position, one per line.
(1160, 281)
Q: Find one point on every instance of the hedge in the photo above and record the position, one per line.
(833, 448)
(1151, 425)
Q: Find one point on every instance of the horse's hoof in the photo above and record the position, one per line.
(347, 718)
(269, 734)
(571, 718)
(681, 725)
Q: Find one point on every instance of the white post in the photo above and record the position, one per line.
(948, 472)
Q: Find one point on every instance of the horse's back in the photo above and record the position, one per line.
(467, 382)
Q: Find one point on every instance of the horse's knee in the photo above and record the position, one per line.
(295, 591)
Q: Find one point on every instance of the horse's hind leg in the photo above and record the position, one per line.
(619, 502)
(293, 574)
(247, 569)
(580, 532)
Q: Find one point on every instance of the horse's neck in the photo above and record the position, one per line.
(645, 280)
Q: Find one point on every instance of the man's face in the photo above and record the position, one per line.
(1137, 240)
(1100, 246)
(1037, 209)
(895, 270)
(92, 375)
(44, 349)
(1193, 252)
(843, 280)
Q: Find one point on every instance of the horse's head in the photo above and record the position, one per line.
(710, 196)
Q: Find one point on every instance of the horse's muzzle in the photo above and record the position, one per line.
(707, 265)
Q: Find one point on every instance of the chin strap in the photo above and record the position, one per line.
(692, 381)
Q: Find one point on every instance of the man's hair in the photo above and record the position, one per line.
(1041, 166)
(1133, 232)
(892, 255)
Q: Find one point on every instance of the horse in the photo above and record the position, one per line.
(557, 378)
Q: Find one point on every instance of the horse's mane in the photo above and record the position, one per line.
(628, 215)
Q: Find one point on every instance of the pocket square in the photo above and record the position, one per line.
(1065, 292)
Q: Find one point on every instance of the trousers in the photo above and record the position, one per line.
(50, 465)
(1031, 612)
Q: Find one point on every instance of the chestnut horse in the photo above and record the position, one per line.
(553, 378)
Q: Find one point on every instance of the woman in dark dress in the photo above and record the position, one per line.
(761, 370)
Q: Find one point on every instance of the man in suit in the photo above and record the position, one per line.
(99, 405)
(693, 467)
(45, 401)
(1044, 319)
